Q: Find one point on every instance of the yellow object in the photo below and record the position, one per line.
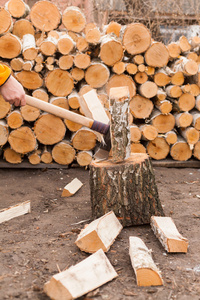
(4, 73)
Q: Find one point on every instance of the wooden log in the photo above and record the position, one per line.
(137, 148)
(63, 153)
(65, 62)
(197, 103)
(45, 16)
(113, 27)
(141, 107)
(183, 119)
(163, 123)
(136, 38)
(41, 94)
(99, 234)
(174, 50)
(22, 27)
(84, 158)
(84, 139)
(76, 282)
(29, 49)
(173, 91)
(196, 119)
(138, 59)
(161, 94)
(191, 135)
(119, 124)
(34, 157)
(141, 77)
(59, 83)
(184, 44)
(148, 89)
(74, 100)
(166, 231)
(119, 67)
(73, 19)
(111, 50)
(22, 140)
(180, 150)
(30, 80)
(77, 74)
(186, 102)
(4, 132)
(161, 78)
(48, 46)
(196, 150)
(131, 68)
(171, 137)
(14, 119)
(157, 55)
(17, 8)
(5, 107)
(188, 66)
(81, 44)
(195, 90)
(65, 44)
(59, 101)
(6, 21)
(158, 148)
(93, 36)
(28, 65)
(146, 271)
(46, 155)
(119, 81)
(11, 156)
(71, 188)
(82, 60)
(164, 106)
(127, 188)
(73, 126)
(177, 78)
(49, 129)
(135, 133)
(97, 75)
(17, 64)
(149, 132)
(14, 211)
(10, 46)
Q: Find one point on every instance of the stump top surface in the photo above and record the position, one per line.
(135, 158)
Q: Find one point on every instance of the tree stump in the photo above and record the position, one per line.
(127, 188)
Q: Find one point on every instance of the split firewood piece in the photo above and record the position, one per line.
(149, 132)
(99, 234)
(174, 50)
(4, 132)
(59, 83)
(46, 155)
(141, 77)
(76, 282)
(29, 49)
(137, 148)
(141, 107)
(173, 91)
(188, 66)
(17, 64)
(22, 27)
(5, 107)
(65, 44)
(113, 27)
(14, 119)
(48, 46)
(49, 129)
(92, 107)
(157, 55)
(82, 60)
(84, 139)
(119, 124)
(161, 78)
(119, 67)
(146, 271)
(158, 149)
(110, 185)
(65, 62)
(74, 100)
(84, 158)
(11, 156)
(163, 123)
(183, 119)
(164, 106)
(120, 81)
(184, 44)
(34, 157)
(10, 46)
(15, 211)
(22, 140)
(136, 38)
(180, 150)
(63, 153)
(111, 50)
(45, 16)
(41, 94)
(186, 102)
(135, 133)
(196, 119)
(71, 188)
(17, 8)
(166, 231)
(148, 89)
(196, 150)
(73, 19)
(97, 75)
(29, 79)
(6, 21)
(191, 135)
(171, 137)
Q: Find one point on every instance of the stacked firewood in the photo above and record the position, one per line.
(58, 57)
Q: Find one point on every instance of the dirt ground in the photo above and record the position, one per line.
(33, 247)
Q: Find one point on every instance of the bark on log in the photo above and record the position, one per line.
(127, 188)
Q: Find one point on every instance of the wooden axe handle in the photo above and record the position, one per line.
(66, 114)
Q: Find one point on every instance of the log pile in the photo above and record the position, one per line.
(58, 57)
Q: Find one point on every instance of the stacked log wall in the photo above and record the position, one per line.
(163, 81)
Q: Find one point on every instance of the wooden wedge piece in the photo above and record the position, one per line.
(15, 211)
(147, 274)
(82, 278)
(99, 234)
(72, 187)
(165, 230)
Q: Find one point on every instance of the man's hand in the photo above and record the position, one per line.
(13, 92)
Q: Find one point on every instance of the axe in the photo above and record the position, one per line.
(102, 151)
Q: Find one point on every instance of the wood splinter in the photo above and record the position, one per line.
(71, 188)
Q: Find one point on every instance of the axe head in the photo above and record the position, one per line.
(101, 152)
